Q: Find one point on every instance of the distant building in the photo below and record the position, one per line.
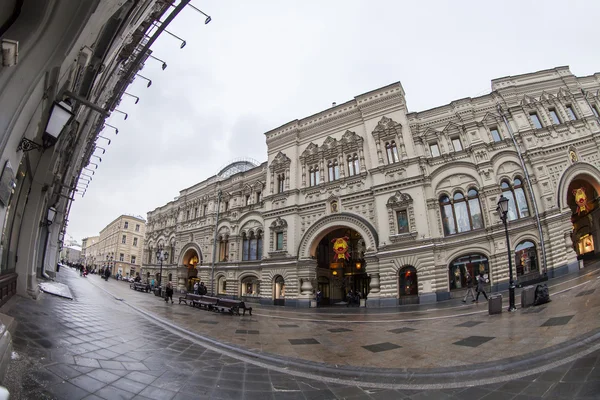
(120, 244)
(90, 251)
(71, 254)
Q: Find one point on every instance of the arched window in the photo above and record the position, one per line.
(252, 246)
(249, 286)
(314, 175)
(223, 246)
(222, 285)
(353, 165)
(517, 202)
(170, 278)
(392, 152)
(474, 264)
(334, 170)
(461, 214)
(245, 247)
(526, 258)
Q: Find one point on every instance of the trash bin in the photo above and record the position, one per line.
(527, 296)
(157, 291)
(495, 304)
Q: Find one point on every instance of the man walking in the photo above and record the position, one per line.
(169, 293)
(469, 279)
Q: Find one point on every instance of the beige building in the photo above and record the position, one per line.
(395, 204)
(90, 252)
(119, 245)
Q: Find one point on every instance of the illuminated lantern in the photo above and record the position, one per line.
(340, 247)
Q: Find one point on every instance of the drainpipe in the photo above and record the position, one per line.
(530, 187)
(214, 249)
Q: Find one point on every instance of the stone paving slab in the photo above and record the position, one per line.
(97, 327)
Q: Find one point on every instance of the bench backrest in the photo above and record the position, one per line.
(192, 296)
(230, 303)
(209, 299)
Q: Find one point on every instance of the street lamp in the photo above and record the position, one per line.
(161, 255)
(503, 211)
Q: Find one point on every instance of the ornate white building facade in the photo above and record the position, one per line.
(397, 205)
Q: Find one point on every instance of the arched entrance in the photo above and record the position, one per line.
(585, 215)
(340, 259)
(473, 264)
(408, 286)
(191, 259)
(278, 291)
(578, 194)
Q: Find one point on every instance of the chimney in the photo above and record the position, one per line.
(333, 104)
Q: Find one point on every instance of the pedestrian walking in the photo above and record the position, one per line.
(481, 281)
(470, 291)
(196, 285)
(169, 293)
(319, 297)
(202, 290)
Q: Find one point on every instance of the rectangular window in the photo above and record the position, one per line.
(133, 259)
(279, 244)
(402, 218)
(135, 242)
(121, 257)
(137, 227)
(495, 134)
(196, 212)
(124, 239)
(187, 215)
(204, 210)
(595, 111)
(258, 197)
(456, 144)
(280, 182)
(571, 113)
(536, 120)
(435, 149)
(226, 206)
(554, 116)
(247, 199)
(126, 225)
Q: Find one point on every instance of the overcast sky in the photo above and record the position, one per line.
(260, 64)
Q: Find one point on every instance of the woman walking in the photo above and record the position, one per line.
(469, 280)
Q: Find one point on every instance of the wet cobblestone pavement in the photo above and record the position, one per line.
(97, 347)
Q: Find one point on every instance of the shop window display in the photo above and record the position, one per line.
(407, 284)
(526, 258)
(474, 264)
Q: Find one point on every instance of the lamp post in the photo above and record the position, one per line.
(503, 211)
(161, 255)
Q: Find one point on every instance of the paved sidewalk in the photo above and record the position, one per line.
(98, 347)
(430, 338)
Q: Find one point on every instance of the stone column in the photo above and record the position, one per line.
(361, 158)
(182, 274)
(372, 268)
(303, 175)
(379, 155)
(342, 165)
(287, 178)
(307, 273)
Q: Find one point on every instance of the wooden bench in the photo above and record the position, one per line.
(232, 306)
(207, 302)
(189, 297)
(142, 287)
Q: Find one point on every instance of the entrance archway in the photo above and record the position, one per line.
(340, 258)
(578, 192)
(278, 291)
(191, 259)
(408, 287)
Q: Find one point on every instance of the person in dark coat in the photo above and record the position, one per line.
(481, 281)
(169, 293)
